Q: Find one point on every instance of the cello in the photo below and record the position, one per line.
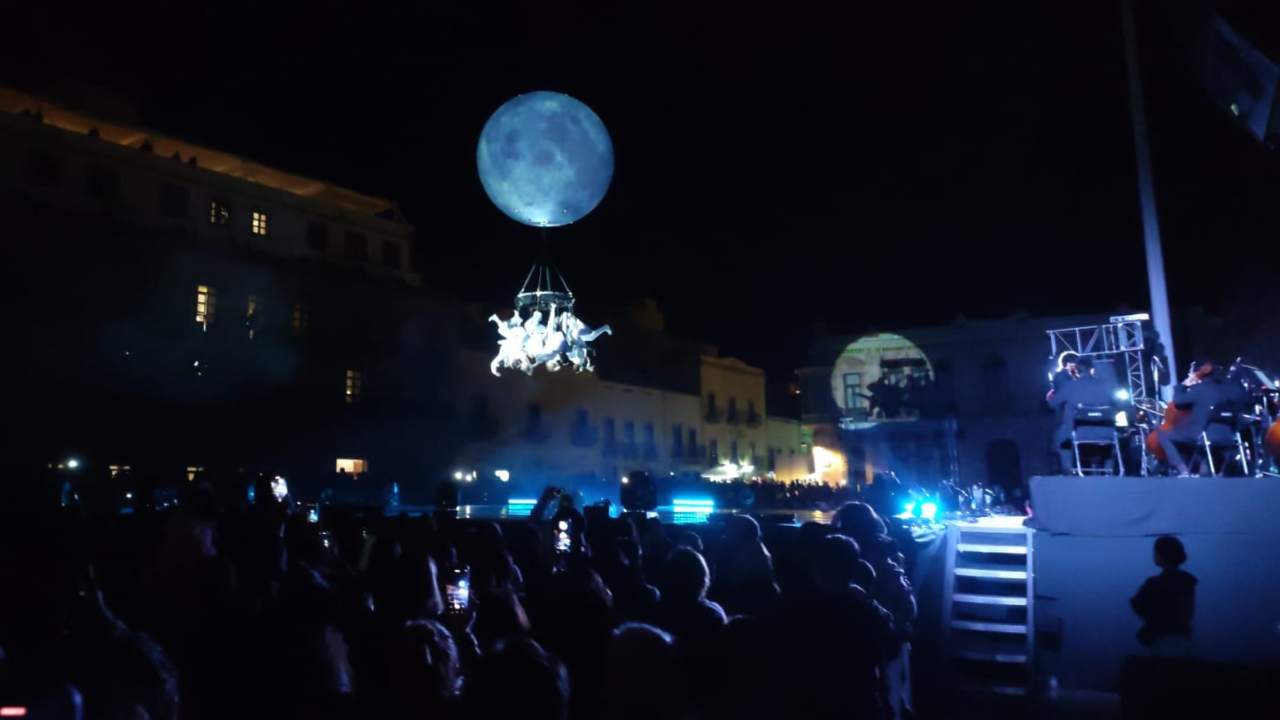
(1172, 415)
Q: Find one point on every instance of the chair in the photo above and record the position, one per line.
(1095, 425)
(1222, 432)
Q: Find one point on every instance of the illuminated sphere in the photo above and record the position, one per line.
(545, 159)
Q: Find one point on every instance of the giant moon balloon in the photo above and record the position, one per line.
(545, 159)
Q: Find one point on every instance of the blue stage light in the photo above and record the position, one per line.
(909, 508)
(693, 503)
(1122, 395)
(522, 501)
(929, 510)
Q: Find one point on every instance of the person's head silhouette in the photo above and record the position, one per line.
(1169, 553)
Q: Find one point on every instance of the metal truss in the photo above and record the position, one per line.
(1122, 338)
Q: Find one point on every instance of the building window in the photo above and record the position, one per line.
(692, 446)
(258, 222)
(251, 315)
(854, 399)
(677, 440)
(174, 200)
(219, 212)
(193, 472)
(301, 319)
(351, 466)
(356, 247)
(318, 236)
(733, 452)
(205, 301)
(102, 183)
(391, 254)
(352, 393)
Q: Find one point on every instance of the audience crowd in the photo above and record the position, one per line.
(264, 610)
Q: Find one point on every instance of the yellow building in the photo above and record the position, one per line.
(733, 414)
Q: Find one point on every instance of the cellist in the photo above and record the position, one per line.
(1194, 398)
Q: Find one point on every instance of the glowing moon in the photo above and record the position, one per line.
(545, 159)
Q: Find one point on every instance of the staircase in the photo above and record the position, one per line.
(987, 604)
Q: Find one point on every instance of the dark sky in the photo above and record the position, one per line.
(779, 165)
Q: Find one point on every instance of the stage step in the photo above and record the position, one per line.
(992, 549)
(974, 599)
(990, 648)
(989, 627)
(990, 573)
(987, 605)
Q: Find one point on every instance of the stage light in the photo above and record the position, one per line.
(563, 525)
(929, 510)
(72, 463)
(128, 496)
(522, 501)
(909, 508)
(1122, 395)
(1122, 419)
(457, 475)
(502, 475)
(625, 480)
(694, 503)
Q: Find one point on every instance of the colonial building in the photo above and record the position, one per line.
(173, 310)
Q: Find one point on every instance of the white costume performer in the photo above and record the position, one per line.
(562, 341)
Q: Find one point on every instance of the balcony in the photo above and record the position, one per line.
(714, 414)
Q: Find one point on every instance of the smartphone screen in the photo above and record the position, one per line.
(457, 590)
(563, 541)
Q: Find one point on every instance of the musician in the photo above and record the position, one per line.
(1084, 388)
(1068, 370)
(1194, 397)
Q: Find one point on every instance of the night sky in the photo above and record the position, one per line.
(780, 166)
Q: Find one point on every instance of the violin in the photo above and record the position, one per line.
(1172, 415)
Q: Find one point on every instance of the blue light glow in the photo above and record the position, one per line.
(694, 503)
(1122, 395)
(909, 509)
(929, 510)
(522, 501)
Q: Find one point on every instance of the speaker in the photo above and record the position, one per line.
(639, 492)
(1240, 79)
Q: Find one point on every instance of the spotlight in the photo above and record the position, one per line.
(1122, 395)
(909, 508)
(502, 475)
(625, 480)
(72, 463)
(457, 475)
(929, 510)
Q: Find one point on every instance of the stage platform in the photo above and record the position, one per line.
(1093, 549)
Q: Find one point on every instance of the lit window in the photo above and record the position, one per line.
(219, 212)
(204, 305)
(353, 386)
(352, 466)
(193, 471)
(301, 319)
(117, 469)
(258, 222)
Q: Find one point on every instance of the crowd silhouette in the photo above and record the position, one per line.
(203, 611)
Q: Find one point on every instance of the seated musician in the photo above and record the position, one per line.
(1195, 398)
(1087, 389)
